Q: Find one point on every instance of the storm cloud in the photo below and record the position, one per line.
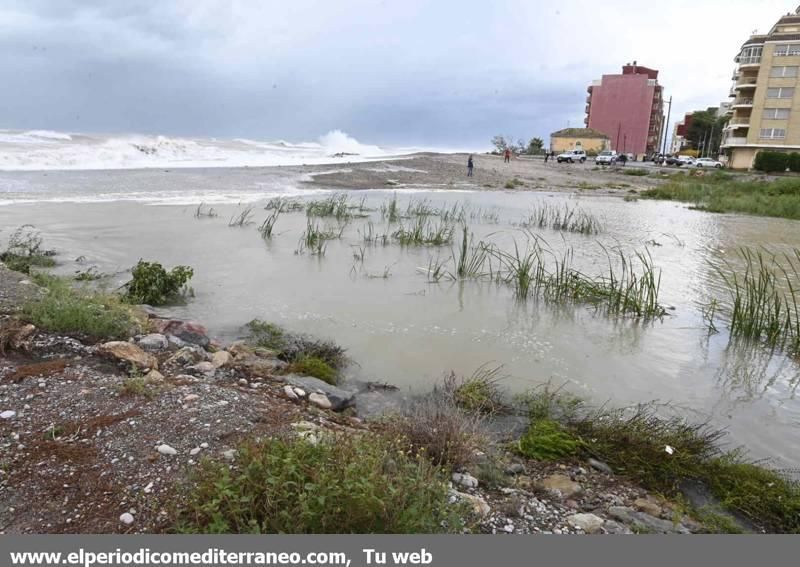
(438, 73)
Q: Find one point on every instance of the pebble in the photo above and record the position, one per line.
(589, 523)
(126, 518)
(600, 466)
(230, 454)
(191, 398)
(8, 414)
(300, 392)
(194, 451)
(515, 469)
(166, 450)
(204, 445)
(290, 393)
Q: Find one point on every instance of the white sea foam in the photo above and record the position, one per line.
(46, 150)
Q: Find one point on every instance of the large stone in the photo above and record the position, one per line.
(642, 522)
(340, 399)
(154, 342)
(129, 352)
(600, 466)
(589, 523)
(204, 368)
(561, 484)
(258, 367)
(186, 356)
(188, 331)
(165, 449)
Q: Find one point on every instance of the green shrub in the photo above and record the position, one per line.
(96, 315)
(153, 285)
(480, 392)
(316, 367)
(636, 172)
(771, 162)
(361, 484)
(546, 440)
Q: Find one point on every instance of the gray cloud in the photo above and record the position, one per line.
(413, 72)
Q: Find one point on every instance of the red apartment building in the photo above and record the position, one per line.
(629, 109)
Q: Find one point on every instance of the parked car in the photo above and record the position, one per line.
(685, 160)
(607, 157)
(572, 156)
(671, 160)
(708, 162)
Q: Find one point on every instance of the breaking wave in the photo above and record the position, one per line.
(47, 150)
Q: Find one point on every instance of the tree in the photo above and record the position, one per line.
(500, 144)
(705, 131)
(535, 146)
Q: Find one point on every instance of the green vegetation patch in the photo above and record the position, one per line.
(316, 367)
(24, 251)
(361, 484)
(92, 314)
(151, 284)
(546, 440)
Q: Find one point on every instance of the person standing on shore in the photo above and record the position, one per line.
(470, 165)
(546, 157)
(507, 158)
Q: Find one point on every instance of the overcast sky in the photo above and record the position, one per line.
(397, 72)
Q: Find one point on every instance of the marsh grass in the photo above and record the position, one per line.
(314, 239)
(423, 232)
(353, 483)
(514, 183)
(722, 193)
(285, 205)
(566, 218)
(370, 236)
(470, 259)
(480, 392)
(292, 347)
(390, 211)
(266, 227)
(81, 312)
(337, 206)
(662, 453)
(635, 172)
(763, 298)
(244, 218)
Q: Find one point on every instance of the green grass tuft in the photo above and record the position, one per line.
(316, 367)
(546, 440)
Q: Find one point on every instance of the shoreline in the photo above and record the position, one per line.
(64, 388)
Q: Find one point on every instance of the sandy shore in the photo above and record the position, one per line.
(450, 170)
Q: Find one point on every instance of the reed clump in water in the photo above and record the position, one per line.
(423, 232)
(372, 236)
(337, 206)
(390, 211)
(763, 298)
(314, 239)
(269, 223)
(244, 218)
(566, 218)
(200, 212)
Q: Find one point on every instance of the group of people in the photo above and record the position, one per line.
(471, 163)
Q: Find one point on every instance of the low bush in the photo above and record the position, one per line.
(771, 162)
(90, 314)
(151, 284)
(546, 440)
(361, 484)
(316, 367)
(479, 392)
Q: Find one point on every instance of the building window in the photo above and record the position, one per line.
(776, 113)
(780, 92)
(787, 49)
(773, 133)
(783, 72)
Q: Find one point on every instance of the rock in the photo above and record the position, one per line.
(129, 352)
(188, 398)
(154, 376)
(187, 355)
(194, 451)
(479, 505)
(615, 528)
(466, 480)
(320, 400)
(508, 528)
(187, 331)
(647, 506)
(339, 398)
(589, 523)
(165, 449)
(154, 342)
(8, 414)
(20, 338)
(643, 522)
(290, 393)
(515, 469)
(259, 367)
(600, 466)
(176, 343)
(561, 484)
(126, 518)
(300, 392)
(220, 358)
(205, 368)
(230, 454)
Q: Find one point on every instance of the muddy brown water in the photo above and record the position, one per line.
(407, 331)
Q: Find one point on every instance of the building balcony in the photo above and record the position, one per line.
(748, 62)
(745, 84)
(742, 103)
(734, 141)
(737, 124)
